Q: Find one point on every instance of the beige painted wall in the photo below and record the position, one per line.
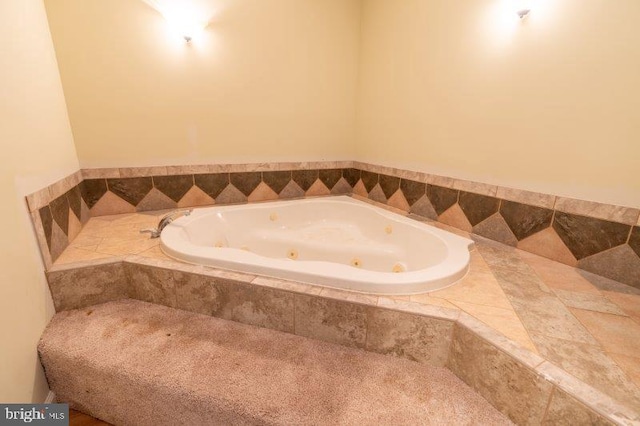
(462, 88)
(37, 149)
(270, 80)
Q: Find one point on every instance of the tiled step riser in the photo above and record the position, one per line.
(508, 377)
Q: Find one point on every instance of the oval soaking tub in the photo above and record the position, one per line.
(336, 242)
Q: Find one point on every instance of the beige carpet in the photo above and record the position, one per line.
(134, 363)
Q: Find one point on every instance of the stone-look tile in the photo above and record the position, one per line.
(442, 181)
(360, 190)
(59, 188)
(398, 201)
(564, 410)
(122, 246)
(617, 334)
(607, 212)
(59, 241)
(349, 296)
(195, 197)
(81, 287)
(304, 178)
(496, 229)
(175, 186)
(427, 299)
(352, 176)
(277, 181)
(153, 285)
(502, 320)
(259, 306)
(197, 293)
(475, 187)
(46, 219)
(585, 236)
(389, 185)
(101, 173)
(423, 309)
(508, 385)
(607, 284)
(78, 254)
(590, 364)
(423, 339)
(75, 201)
(245, 182)
(189, 169)
(92, 190)
(38, 199)
(331, 320)
(292, 190)
(412, 190)
(231, 195)
(455, 217)
(293, 286)
(524, 220)
(330, 177)
(60, 212)
(588, 301)
(478, 287)
(342, 187)
(377, 195)
(41, 239)
(630, 366)
(212, 184)
(477, 207)
(630, 303)
(422, 207)
(369, 179)
(317, 189)
(536, 199)
(620, 263)
(262, 193)
(85, 213)
(156, 200)
(75, 226)
(548, 244)
(634, 240)
(132, 190)
(441, 198)
(138, 172)
(154, 253)
(589, 396)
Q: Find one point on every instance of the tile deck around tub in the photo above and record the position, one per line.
(586, 324)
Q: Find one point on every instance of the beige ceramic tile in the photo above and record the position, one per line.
(104, 173)
(38, 199)
(398, 201)
(262, 193)
(190, 169)
(548, 244)
(154, 253)
(564, 410)
(455, 217)
(526, 197)
(478, 287)
(617, 334)
(588, 301)
(475, 187)
(118, 246)
(630, 303)
(111, 204)
(73, 255)
(130, 172)
(608, 212)
(434, 311)
(558, 276)
(318, 189)
(427, 299)
(287, 285)
(630, 365)
(443, 181)
(349, 296)
(503, 320)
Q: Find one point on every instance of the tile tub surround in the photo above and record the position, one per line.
(518, 382)
(599, 238)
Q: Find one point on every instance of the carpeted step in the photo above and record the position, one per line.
(135, 363)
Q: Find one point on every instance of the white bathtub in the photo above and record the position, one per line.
(335, 242)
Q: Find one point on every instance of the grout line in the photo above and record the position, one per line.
(546, 410)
